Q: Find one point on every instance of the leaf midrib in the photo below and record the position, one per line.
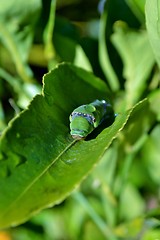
(37, 178)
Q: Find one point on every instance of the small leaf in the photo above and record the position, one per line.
(40, 164)
(137, 57)
(81, 59)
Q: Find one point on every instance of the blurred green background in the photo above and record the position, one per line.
(122, 193)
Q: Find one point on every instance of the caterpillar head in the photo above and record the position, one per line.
(80, 127)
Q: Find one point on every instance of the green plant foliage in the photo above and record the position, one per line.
(153, 26)
(54, 57)
(135, 71)
(16, 32)
(38, 139)
(138, 8)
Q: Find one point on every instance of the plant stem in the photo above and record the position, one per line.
(106, 231)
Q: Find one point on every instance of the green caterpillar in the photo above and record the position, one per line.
(84, 119)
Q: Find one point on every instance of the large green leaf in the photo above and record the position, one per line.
(40, 164)
(153, 26)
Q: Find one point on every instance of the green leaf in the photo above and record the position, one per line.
(103, 52)
(14, 10)
(132, 196)
(154, 99)
(40, 164)
(16, 32)
(151, 153)
(130, 229)
(137, 8)
(67, 45)
(137, 127)
(81, 59)
(139, 226)
(137, 57)
(48, 35)
(153, 26)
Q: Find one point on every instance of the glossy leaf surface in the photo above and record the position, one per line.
(40, 162)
